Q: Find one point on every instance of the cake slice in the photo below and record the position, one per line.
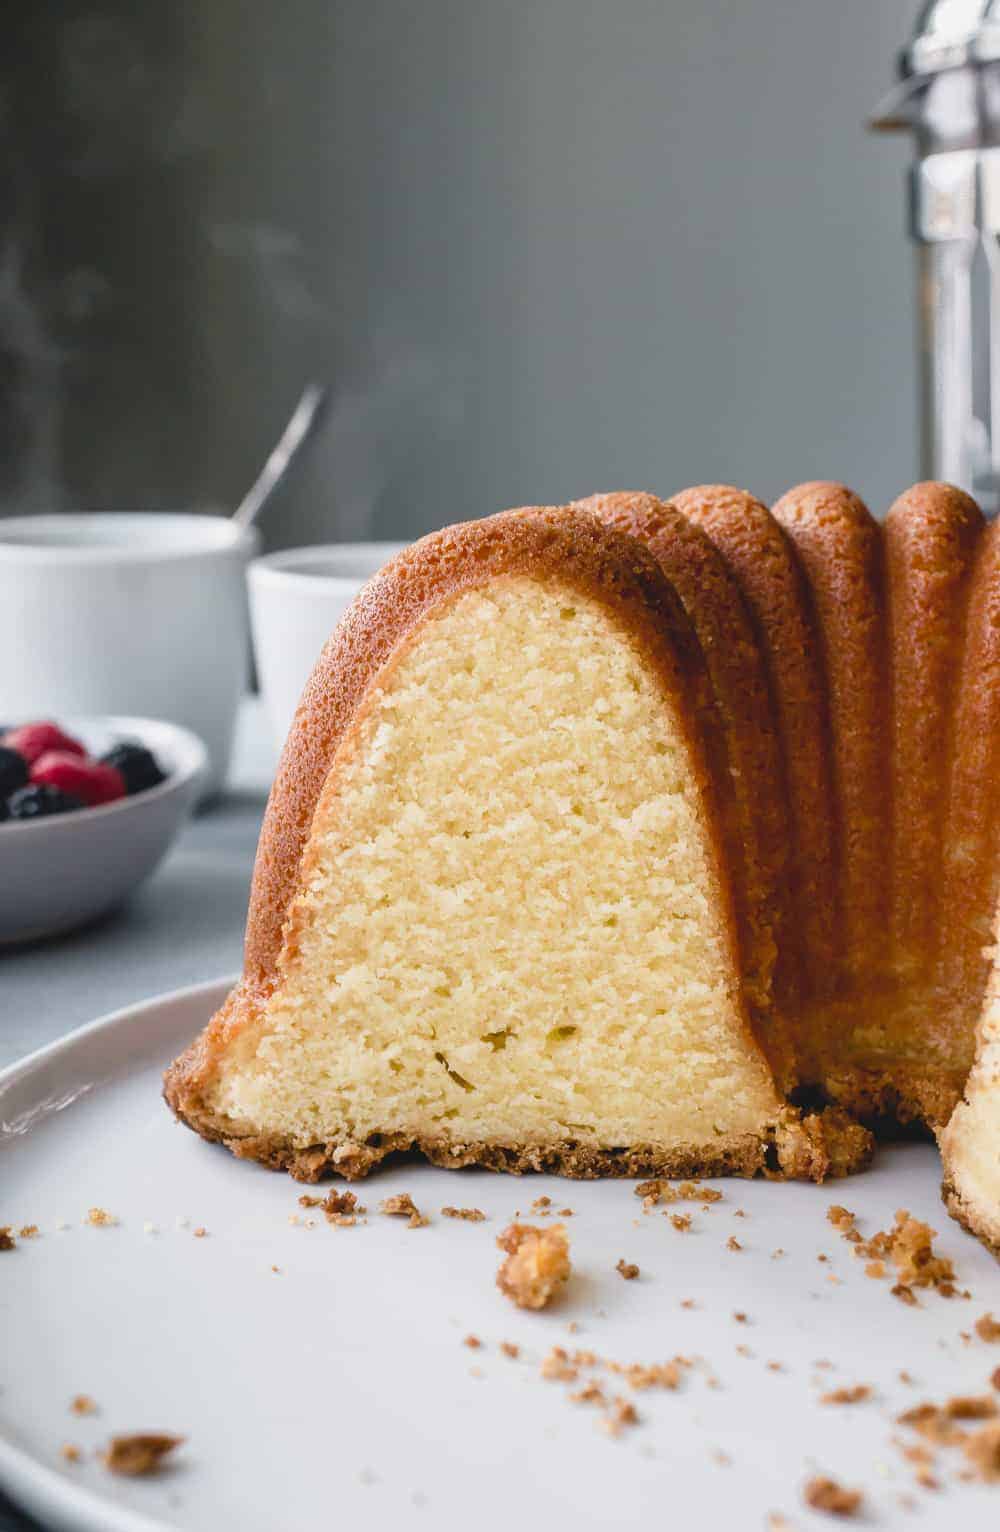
(970, 1144)
(491, 919)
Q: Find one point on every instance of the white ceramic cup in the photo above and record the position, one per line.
(121, 612)
(296, 600)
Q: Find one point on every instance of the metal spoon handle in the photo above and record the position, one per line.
(300, 427)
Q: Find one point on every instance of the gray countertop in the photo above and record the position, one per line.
(183, 926)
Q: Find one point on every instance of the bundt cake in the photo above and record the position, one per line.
(491, 917)
(605, 833)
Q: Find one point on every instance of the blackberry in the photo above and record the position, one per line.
(13, 771)
(39, 801)
(138, 766)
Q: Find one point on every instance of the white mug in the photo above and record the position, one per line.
(296, 600)
(121, 612)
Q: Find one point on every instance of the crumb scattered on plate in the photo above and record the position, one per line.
(656, 1193)
(825, 1494)
(138, 1454)
(972, 1407)
(854, 1394)
(402, 1205)
(537, 1264)
(557, 1368)
(982, 1451)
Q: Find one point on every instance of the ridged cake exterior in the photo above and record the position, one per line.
(852, 667)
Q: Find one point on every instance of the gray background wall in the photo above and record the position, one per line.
(538, 248)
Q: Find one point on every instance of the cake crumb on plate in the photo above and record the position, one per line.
(983, 1453)
(853, 1394)
(824, 1494)
(138, 1454)
(537, 1264)
(402, 1205)
(623, 1413)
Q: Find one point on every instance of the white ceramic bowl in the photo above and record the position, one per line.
(121, 612)
(60, 872)
(296, 600)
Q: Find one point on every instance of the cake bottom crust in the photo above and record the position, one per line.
(814, 1147)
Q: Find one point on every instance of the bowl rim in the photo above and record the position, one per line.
(208, 534)
(284, 569)
(193, 763)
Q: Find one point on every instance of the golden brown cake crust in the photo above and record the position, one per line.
(840, 546)
(931, 536)
(553, 544)
(763, 560)
(970, 863)
(752, 797)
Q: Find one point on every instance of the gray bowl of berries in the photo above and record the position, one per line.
(88, 808)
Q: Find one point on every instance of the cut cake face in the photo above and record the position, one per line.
(970, 1144)
(489, 918)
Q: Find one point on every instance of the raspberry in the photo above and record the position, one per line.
(89, 781)
(13, 771)
(38, 802)
(31, 740)
(138, 766)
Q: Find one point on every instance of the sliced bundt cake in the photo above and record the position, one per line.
(491, 916)
(602, 831)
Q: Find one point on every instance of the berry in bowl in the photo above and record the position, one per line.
(88, 807)
(44, 770)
